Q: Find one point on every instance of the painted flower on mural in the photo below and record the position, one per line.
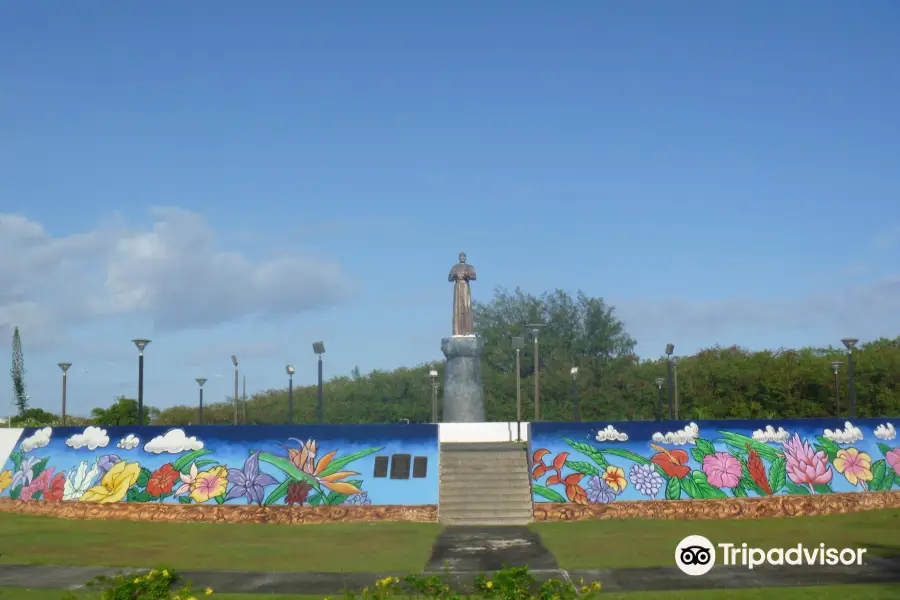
(892, 458)
(25, 473)
(304, 459)
(359, 499)
(646, 480)
(804, 465)
(615, 478)
(757, 470)
(856, 466)
(38, 484)
(722, 470)
(672, 462)
(249, 482)
(5, 480)
(106, 462)
(600, 492)
(539, 469)
(209, 484)
(79, 480)
(298, 492)
(114, 485)
(574, 492)
(187, 480)
(162, 480)
(55, 489)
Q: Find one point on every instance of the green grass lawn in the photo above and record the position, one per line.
(219, 546)
(605, 544)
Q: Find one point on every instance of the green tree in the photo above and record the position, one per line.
(123, 412)
(17, 372)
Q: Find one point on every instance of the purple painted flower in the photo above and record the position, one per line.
(25, 473)
(646, 480)
(360, 499)
(249, 482)
(106, 462)
(600, 492)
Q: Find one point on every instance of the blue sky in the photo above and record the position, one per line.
(226, 178)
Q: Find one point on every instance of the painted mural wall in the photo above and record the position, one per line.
(277, 465)
(589, 463)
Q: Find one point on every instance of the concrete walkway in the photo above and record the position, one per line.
(876, 571)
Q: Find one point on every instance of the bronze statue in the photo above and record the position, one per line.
(461, 274)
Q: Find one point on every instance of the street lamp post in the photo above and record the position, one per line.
(141, 344)
(518, 343)
(850, 343)
(835, 365)
(670, 384)
(289, 369)
(319, 349)
(200, 381)
(234, 400)
(535, 329)
(675, 383)
(434, 403)
(659, 383)
(575, 407)
(65, 367)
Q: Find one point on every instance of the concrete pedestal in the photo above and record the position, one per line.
(463, 388)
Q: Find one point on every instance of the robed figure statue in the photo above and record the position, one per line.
(461, 274)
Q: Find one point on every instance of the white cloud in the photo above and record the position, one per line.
(92, 438)
(886, 432)
(688, 435)
(129, 442)
(38, 439)
(152, 272)
(848, 435)
(769, 434)
(610, 434)
(173, 442)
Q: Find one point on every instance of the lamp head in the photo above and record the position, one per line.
(234, 360)
(289, 369)
(835, 365)
(534, 328)
(850, 343)
(141, 344)
(670, 348)
(319, 348)
(574, 371)
(200, 381)
(433, 373)
(659, 382)
(64, 366)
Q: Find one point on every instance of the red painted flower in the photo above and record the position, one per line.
(56, 487)
(297, 492)
(672, 462)
(574, 491)
(162, 481)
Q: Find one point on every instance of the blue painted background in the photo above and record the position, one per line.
(594, 463)
(41, 468)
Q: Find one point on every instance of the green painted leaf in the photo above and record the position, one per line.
(545, 492)
(203, 463)
(132, 495)
(143, 478)
(220, 499)
(879, 474)
(883, 447)
(14, 493)
(673, 489)
(37, 495)
(739, 491)
(823, 489)
(185, 499)
(278, 493)
(830, 448)
(16, 458)
(705, 446)
(144, 496)
(697, 455)
(290, 469)
(778, 474)
(334, 498)
(690, 488)
(739, 442)
(183, 464)
(39, 467)
(895, 480)
(792, 488)
(583, 467)
(590, 451)
(706, 490)
(339, 463)
(315, 500)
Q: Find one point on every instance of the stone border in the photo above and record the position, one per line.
(730, 508)
(199, 513)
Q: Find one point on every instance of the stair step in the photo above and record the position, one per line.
(459, 521)
(484, 447)
(484, 464)
(477, 495)
(485, 514)
(505, 477)
(512, 506)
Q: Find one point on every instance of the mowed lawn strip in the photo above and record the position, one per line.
(613, 543)
(331, 547)
(846, 592)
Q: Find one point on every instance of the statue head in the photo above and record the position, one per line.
(462, 257)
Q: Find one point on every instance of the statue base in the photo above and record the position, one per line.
(463, 388)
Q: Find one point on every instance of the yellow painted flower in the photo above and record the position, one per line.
(615, 478)
(115, 484)
(209, 484)
(5, 479)
(856, 466)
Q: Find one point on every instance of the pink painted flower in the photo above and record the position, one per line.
(893, 459)
(722, 470)
(804, 465)
(39, 484)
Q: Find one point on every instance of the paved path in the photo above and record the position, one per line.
(485, 549)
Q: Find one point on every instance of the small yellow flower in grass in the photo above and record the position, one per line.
(137, 579)
(165, 572)
(489, 584)
(595, 586)
(208, 591)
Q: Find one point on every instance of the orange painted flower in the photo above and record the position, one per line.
(304, 459)
(162, 480)
(56, 487)
(672, 462)
(615, 478)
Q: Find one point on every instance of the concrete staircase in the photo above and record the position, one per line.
(485, 484)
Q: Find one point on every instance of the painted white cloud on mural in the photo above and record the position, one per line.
(770, 434)
(885, 432)
(848, 435)
(38, 439)
(173, 442)
(611, 434)
(92, 438)
(688, 435)
(129, 442)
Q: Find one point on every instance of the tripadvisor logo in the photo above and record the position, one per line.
(696, 555)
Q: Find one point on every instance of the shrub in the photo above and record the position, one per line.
(158, 584)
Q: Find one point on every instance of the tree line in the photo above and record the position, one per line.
(612, 383)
